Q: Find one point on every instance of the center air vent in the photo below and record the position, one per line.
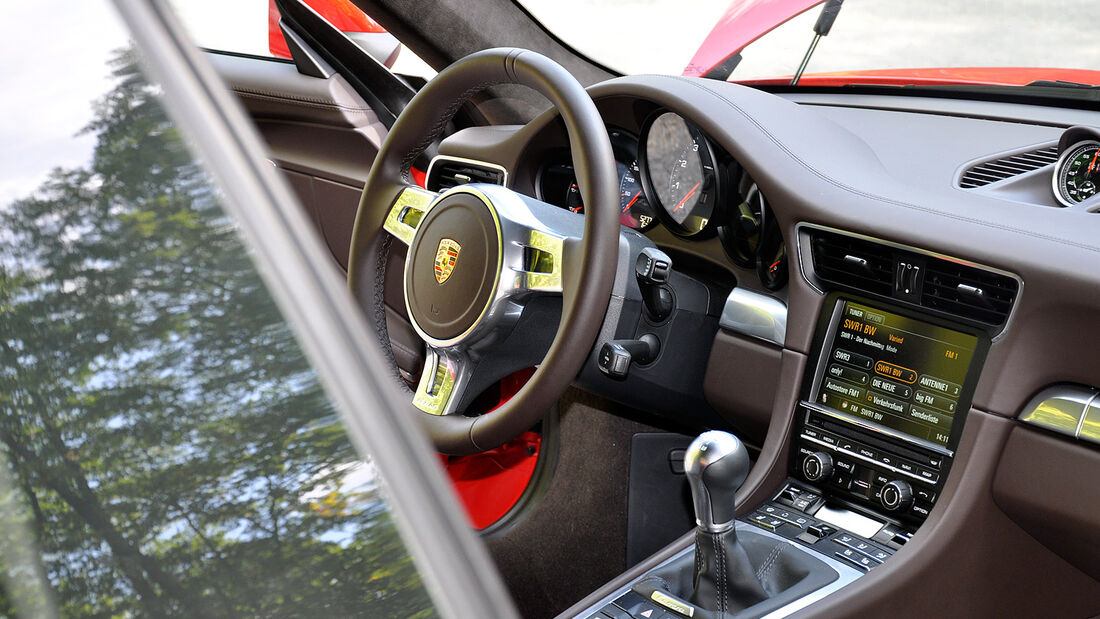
(965, 291)
(1006, 167)
(854, 262)
(446, 172)
(913, 277)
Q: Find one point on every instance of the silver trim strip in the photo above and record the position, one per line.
(846, 575)
(755, 315)
(476, 162)
(1084, 414)
(815, 284)
(1056, 409)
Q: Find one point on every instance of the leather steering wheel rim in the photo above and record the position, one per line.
(587, 280)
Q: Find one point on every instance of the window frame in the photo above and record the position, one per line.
(453, 563)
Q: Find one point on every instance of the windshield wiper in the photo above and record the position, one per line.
(1061, 84)
(821, 29)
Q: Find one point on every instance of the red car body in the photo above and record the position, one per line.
(745, 21)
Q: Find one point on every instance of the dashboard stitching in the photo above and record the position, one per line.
(884, 199)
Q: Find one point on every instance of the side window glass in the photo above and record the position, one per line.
(165, 447)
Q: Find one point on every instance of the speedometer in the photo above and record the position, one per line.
(679, 172)
(1077, 173)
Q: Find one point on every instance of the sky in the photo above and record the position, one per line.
(55, 86)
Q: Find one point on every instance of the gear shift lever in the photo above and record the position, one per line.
(716, 464)
(732, 570)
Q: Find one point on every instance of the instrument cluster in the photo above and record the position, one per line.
(672, 175)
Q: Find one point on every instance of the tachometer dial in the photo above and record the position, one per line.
(680, 174)
(557, 183)
(634, 209)
(1077, 173)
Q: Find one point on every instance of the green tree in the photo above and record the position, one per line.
(168, 446)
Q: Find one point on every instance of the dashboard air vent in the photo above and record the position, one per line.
(854, 262)
(966, 291)
(447, 173)
(912, 276)
(1006, 167)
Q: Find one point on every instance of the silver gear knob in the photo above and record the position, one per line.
(716, 464)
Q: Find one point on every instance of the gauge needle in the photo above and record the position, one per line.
(690, 193)
(639, 194)
(1092, 163)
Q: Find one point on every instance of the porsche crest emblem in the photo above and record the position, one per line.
(446, 257)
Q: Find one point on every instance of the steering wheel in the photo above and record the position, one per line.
(488, 270)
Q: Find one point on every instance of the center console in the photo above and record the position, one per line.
(882, 411)
(880, 415)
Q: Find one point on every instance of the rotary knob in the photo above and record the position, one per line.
(896, 496)
(817, 466)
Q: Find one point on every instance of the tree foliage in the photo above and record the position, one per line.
(166, 448)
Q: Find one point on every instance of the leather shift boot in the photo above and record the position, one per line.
(749, 577)
(725, 580)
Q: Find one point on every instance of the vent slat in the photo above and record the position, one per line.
(947, 287)
(446, 174)
(1006, 167)
(942, 291)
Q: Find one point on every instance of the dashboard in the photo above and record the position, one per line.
(851, 224)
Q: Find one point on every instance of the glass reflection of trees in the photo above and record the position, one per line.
(168, 448)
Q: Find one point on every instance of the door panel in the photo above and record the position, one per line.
(324, 138)
(315, 127)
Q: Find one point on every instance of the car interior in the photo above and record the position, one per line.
(713, 349)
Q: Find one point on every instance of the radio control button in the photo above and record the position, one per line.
(921, 509)
(867, 452)
(817, 466)
(896, 496)
(928, 474)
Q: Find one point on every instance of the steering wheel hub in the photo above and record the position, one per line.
(453, 267)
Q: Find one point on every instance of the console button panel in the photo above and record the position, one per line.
(799, 525)
(862, 464)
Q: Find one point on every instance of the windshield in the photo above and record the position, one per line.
(888, 38)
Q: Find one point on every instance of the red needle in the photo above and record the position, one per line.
(691, 192)
(1093, 162)
(639, 194)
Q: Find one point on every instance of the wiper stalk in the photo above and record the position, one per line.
(821, 29)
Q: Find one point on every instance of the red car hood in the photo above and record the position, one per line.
(747, 20)
(989, 76)
(743, 22)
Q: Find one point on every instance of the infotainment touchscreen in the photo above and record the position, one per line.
(898, 372)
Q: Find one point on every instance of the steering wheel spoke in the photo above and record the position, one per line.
(443, 382)
(482, 259)
(407, 211)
